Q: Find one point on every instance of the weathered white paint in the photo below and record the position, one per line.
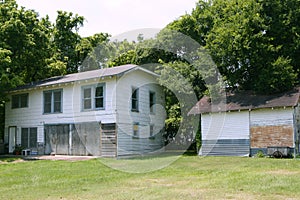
(117, 105)
(225, 125)
(225, 133)
(126, 118)
(271, 117)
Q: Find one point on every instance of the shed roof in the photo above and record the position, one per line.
(98, 73)
(246, 101)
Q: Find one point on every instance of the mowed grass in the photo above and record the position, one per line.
(189, 177)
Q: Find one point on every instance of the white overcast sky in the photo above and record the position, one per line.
(114, 16)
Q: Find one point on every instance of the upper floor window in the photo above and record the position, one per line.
(152, 99)
(53, 101)
(93, 97)
(19, 100)
(135, 100)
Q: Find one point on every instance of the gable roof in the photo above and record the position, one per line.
(98, 73)
(247, 101)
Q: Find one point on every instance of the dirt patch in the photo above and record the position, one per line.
(60, 157)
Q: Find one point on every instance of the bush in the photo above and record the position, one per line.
(260, 154)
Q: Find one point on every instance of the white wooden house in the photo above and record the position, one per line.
(107, 112)
(247, 123)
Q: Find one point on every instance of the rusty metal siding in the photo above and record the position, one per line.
(272, 127)
(225, 133)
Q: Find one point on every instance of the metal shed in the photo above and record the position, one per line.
(247, 123)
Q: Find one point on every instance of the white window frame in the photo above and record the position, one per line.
(18, 98)
(93, 97)
(52, 109)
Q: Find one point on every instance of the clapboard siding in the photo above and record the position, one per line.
(225, 133)
(269, 117)
(117, 111)
(230, 125)
(127, 144)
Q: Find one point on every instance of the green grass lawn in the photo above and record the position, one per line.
(189, 177)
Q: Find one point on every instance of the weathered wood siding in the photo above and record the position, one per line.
(143, 143)
(225, 133)
(77, 135)
(272, 127)
(33, 116)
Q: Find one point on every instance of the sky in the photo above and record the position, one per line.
(114, 16)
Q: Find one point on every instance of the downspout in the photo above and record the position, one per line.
(295, 125)
(249, 131)
(116, 111)
(294, 120)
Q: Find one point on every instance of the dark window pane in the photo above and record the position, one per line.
(33, 138)
(57, 101)
(134, 100)
(99, 91)
(24, 137)
(57, 106)
(24, 100)
(99, 103)
(134, 94)
(57, 96)
(47, 97)
(15, 101)
(151, 101)
(47, 102)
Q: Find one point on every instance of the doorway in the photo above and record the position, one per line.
(12, 132)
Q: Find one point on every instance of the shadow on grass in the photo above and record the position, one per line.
(13, 158)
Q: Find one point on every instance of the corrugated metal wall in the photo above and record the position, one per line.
(225, 133)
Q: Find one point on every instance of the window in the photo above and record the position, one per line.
(99, 97)
(152, 101)
(93, 97)
(53, 101)
(136, 130)
(135, 100)
(29, 137)
(19, 101)
(87, 98)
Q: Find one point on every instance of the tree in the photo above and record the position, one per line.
(254, 43)
(66, 39)
(87, 48)
(24, 48)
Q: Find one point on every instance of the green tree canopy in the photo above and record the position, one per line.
(254, 43)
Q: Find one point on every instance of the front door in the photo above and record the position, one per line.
(12, 131)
